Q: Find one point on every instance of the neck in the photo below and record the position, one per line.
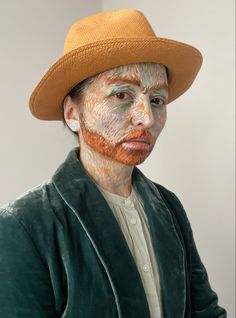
(109, 174)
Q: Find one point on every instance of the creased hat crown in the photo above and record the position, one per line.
(127, 23)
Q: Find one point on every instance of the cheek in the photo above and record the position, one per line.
(160, 120)
(105, 122)
(108, 123)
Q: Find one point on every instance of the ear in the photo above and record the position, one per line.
(70, 110)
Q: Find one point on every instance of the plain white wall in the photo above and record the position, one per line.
(32, 35)
(194, 156)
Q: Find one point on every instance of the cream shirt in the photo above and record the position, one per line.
(133, 222)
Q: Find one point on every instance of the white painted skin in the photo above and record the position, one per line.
(124, 103)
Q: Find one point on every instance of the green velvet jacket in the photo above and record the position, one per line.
(62, 254)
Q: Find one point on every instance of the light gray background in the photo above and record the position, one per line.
(194, 156)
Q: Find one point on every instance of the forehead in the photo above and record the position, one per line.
(146, 75)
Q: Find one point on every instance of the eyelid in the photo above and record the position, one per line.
(121, 88)
(115, 91)
(163, 98)
(158, 93)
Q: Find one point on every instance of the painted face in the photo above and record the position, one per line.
(124, 110)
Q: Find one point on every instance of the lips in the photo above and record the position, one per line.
(138, 141)
(141, 139)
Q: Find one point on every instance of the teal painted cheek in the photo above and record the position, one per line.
(119, 106)
(108, 121)
(99, 126)
(124, 107)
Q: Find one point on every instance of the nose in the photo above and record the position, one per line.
(142, 114)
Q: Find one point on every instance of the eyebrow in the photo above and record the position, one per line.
(135, 81)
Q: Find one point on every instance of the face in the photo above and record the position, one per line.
(123, 112)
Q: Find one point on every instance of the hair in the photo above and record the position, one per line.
(76, 94)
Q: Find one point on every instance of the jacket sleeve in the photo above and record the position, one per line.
(25, 288)
(203, 301)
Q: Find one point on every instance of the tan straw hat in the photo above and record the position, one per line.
(107, 40)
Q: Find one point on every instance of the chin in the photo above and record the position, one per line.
(130, 159)
(130, 156)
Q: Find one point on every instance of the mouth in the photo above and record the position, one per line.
(137, 144)
(138, 140)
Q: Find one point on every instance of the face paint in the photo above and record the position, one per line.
(124, 111)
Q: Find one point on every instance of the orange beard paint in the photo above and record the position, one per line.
(128, 151)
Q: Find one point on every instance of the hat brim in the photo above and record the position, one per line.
(182, 61)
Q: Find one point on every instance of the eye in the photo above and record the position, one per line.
(123, 96)
(158, 101)
(120, 95)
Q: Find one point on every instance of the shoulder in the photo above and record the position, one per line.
(174, 206)
(31, 222)
(169, 196)
(29, 201)
(33, 209)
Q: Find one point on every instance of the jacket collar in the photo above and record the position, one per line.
(81, 194)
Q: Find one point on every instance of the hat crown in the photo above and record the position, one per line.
(126, 23)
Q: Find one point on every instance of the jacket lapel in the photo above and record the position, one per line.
(167, 247)
(85, 200)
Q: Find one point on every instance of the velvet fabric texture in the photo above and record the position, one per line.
(62, 254)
